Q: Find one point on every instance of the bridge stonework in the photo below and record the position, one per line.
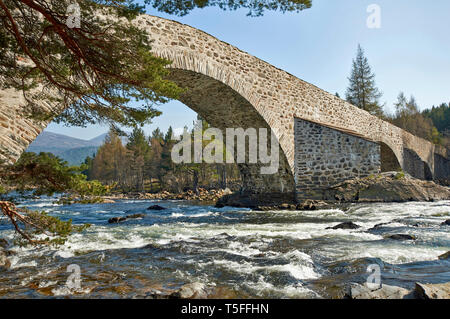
(325, 157)
(231, 88)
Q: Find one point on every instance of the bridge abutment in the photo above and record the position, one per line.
(325, 157)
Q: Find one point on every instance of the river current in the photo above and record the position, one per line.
(239, 252)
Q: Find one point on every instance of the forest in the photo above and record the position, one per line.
(144, 164)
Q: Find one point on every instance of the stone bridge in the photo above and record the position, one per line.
(323, 139)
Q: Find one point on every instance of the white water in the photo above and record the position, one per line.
(267, 254)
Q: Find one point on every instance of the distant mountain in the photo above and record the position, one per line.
(50, 140)
(76, 156)
(73, 150)
(99, 139)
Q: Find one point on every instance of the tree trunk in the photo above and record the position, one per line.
(195, 181)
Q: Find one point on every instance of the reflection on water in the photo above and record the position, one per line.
(240, 252)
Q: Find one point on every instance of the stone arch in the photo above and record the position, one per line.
(441, 169)
(415, 166)
(223, 107)
(389, 161)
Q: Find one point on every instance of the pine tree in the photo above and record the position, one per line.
(362, 91)
(112, 163)
(140, 152)
(96, 69)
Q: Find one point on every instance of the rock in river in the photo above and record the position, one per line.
(194, 290)
(346, 225)
(446, 223)
(116, 220)
(387, 187)
(436, 291)
(445, 256)
(401, 237)
(384, 292)
(156, 207)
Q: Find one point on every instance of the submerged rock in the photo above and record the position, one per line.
(401, 237)
(194, 290)
(346, 225)
(367, 291)
(156, 207)
(116, 220)
(445, 256)
(269, 201)
(433, 291)
(378, 226)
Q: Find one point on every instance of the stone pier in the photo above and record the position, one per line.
(325, 157)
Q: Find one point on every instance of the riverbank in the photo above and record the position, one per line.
(390, 187)
(203, 196)
(365, 291)
(382, 188)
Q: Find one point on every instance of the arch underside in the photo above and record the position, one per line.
(415, 166)
(222, 107)
(389, 161)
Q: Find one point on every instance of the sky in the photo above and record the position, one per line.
(410, 52)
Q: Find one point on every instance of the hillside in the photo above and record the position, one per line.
(73, 150)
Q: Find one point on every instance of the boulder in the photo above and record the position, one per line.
(433, 291)
(194, 290)
(156, 207)
(227, 191)
(446, 223)
(366, 291)
(346, 225)
(378, 226)
(313, 205)
(116, 220)
(381, 225)
(386, 187)
(401, 237)
(445, 256)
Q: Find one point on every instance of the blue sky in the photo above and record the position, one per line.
(410, 52)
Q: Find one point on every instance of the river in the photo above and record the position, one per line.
(239, 252)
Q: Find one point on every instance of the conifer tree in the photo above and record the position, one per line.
(362, 91)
